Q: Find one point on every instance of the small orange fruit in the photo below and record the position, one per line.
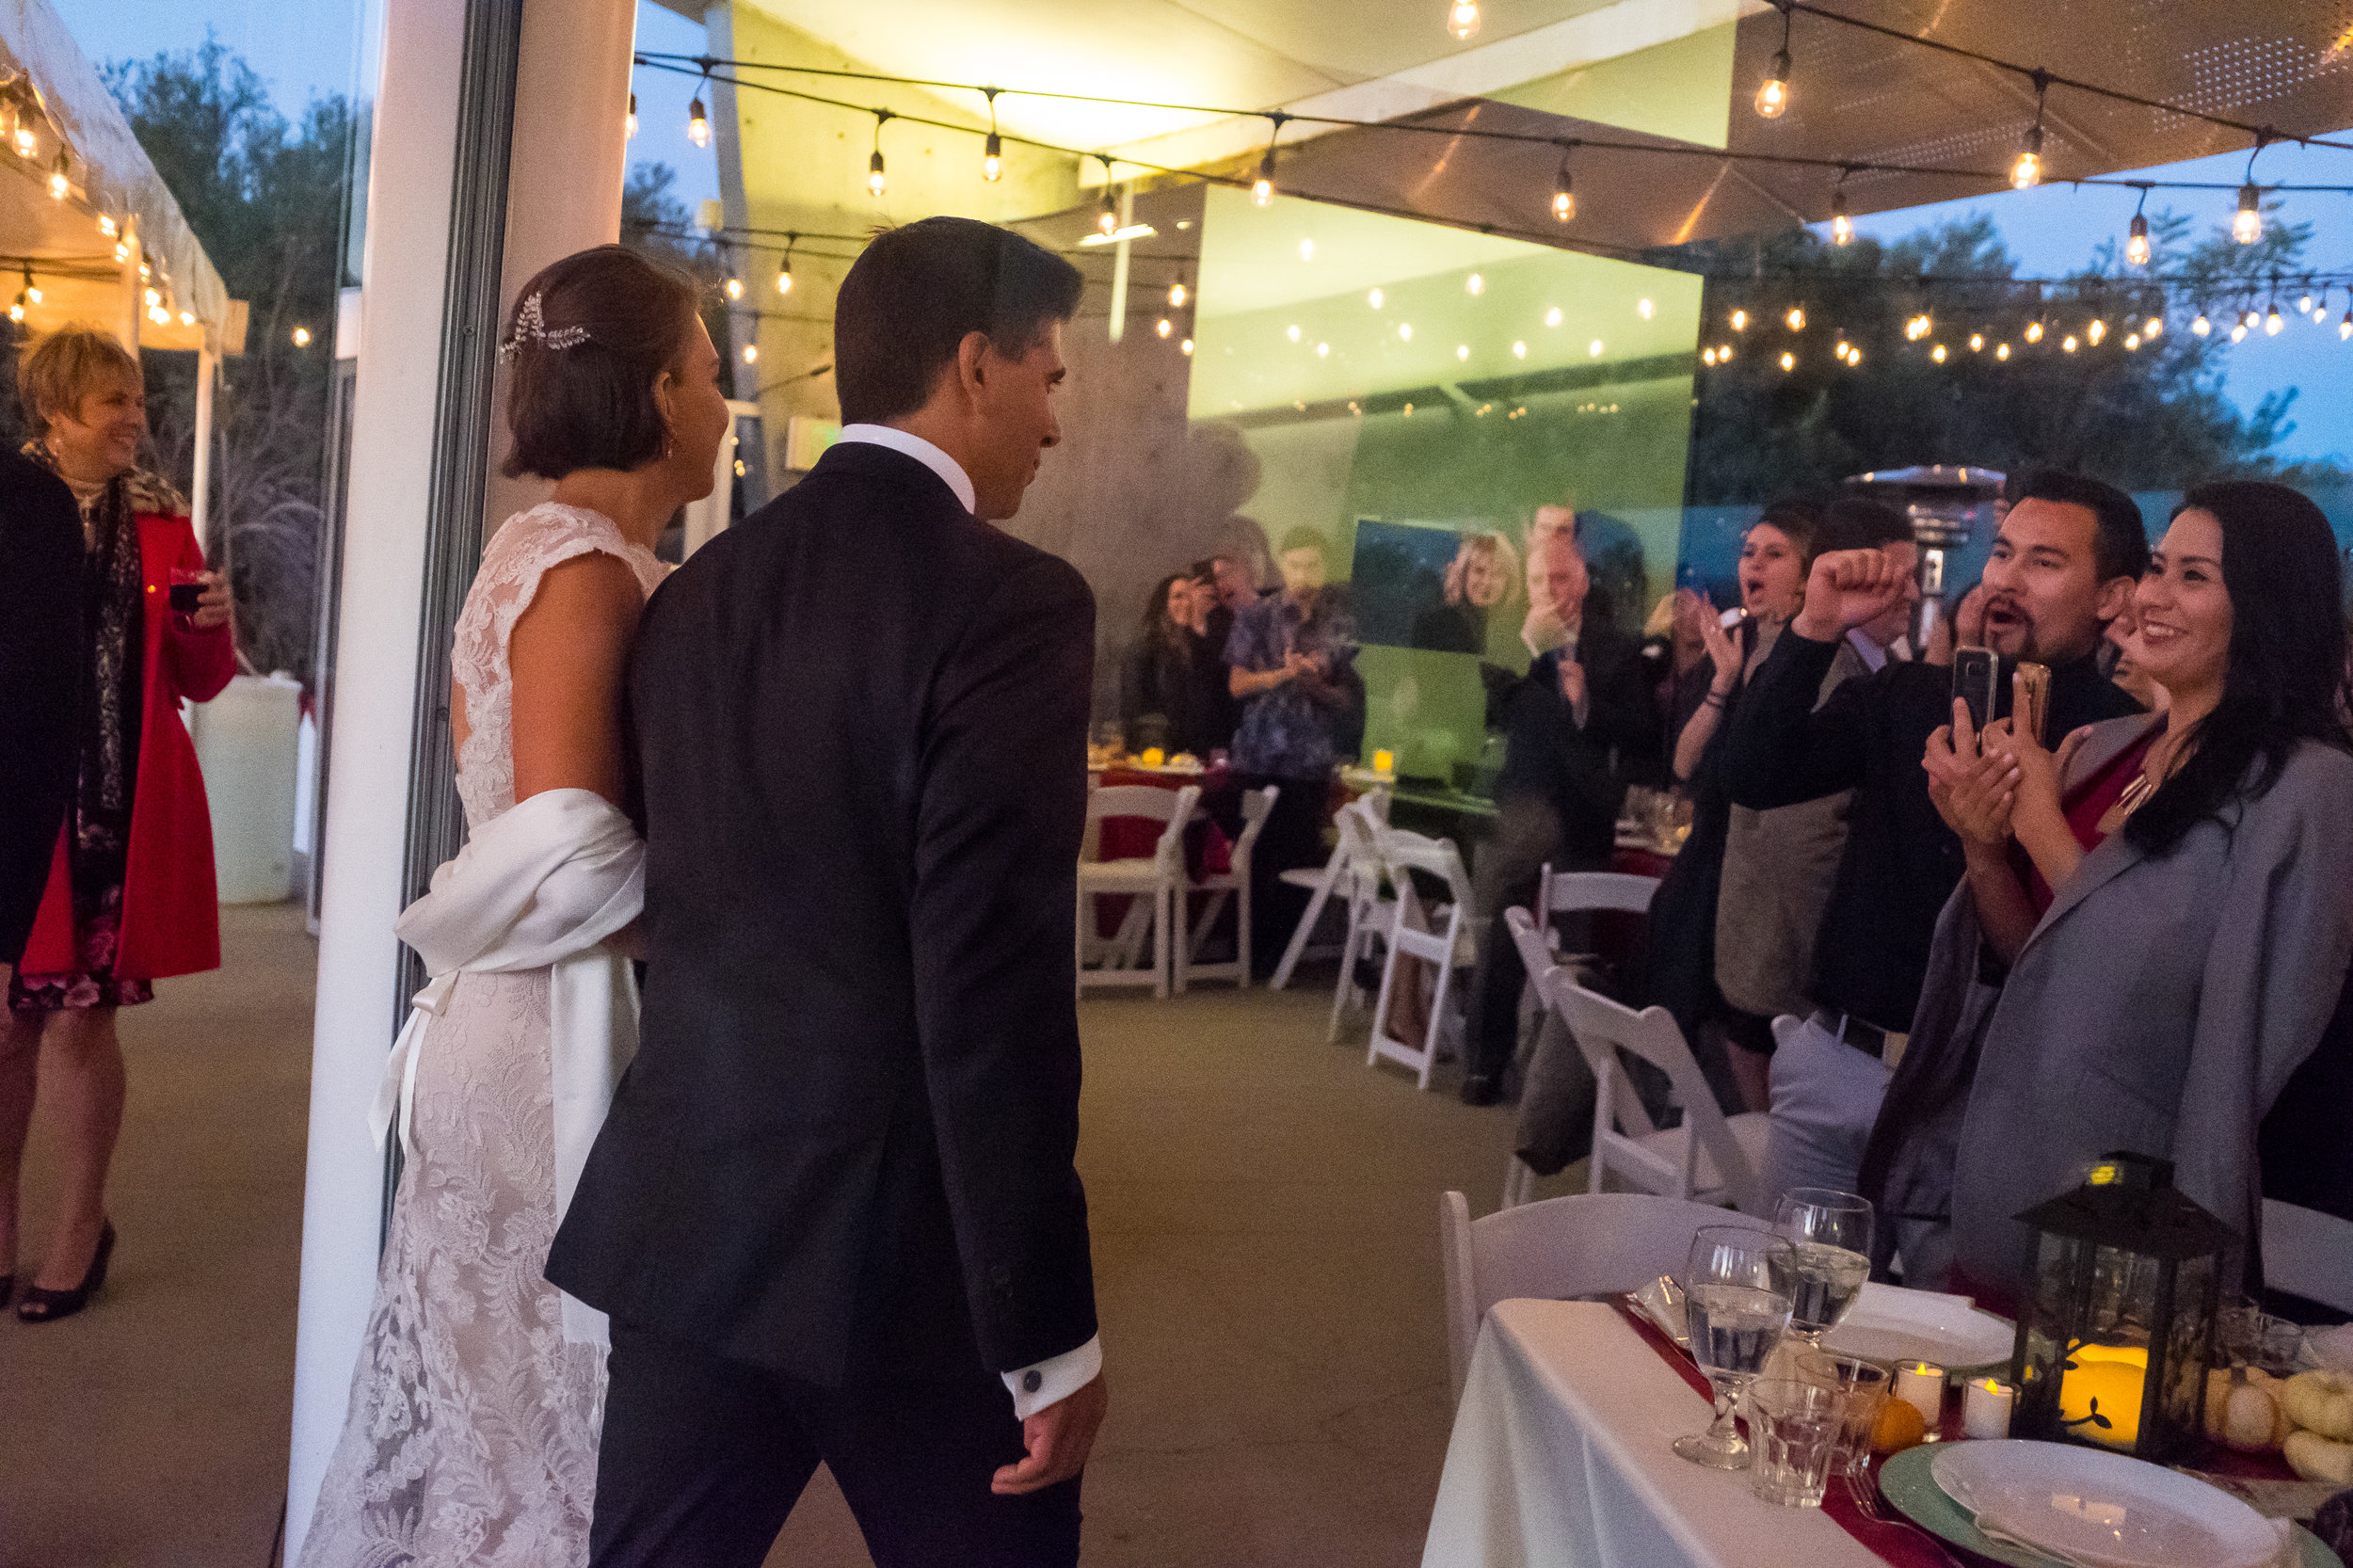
(1899, 1427)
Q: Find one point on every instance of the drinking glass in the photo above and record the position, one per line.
(1864, 1384)
(1735, 1299)
(1797, 1426)
(1832, 1234)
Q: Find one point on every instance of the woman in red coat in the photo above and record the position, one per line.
(130, 897)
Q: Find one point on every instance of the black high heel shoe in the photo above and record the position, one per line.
(47, 1306)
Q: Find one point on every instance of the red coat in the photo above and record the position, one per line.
(170, 909)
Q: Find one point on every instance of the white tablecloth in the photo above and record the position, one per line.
(1561, 1458)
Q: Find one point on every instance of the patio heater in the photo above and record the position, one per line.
(1951, 510)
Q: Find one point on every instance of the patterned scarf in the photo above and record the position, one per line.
(115, 617)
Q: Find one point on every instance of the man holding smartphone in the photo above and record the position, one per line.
(2063, 565)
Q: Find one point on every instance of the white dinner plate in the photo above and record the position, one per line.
(1888, 1323)
(2102, 1510)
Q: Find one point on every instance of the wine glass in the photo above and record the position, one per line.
(1735, 1297)
(1830, 1232)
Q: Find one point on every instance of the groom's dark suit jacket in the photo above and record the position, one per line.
(844, 1149)
(42, 648)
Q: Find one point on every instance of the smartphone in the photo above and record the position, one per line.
(1976, 675)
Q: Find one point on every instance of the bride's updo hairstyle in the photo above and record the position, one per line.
(584, 345)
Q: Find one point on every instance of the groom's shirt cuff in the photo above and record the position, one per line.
(1054, 1379)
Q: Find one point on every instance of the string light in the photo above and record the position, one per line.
(1788, 361)
(302, 337)
(1724, 353)
(876, 182)
(1740, 321)
(1841, 226)
(1165, 326)
(2137, 235)
(629, 120)
(1937, 353)
(1796, 318)
(1772, 97)
(107, 225)
(2034, 331)
(1563, 193)
(1461, 20)
(993, 150)
(2026, 173)
(2273, 320)
(751, 353)
(1176, 296)
(1552, 317)
(2238, 331)
(1185, 347)
(2304, 306)
(32, 290)
(2001, 351)
(1707, 356)
(2152, 328)
(59, 182)
(16, 309)
(1976, 343)
(2345, 327)
(2093, 333)
(122, 251)
(2202, 326)
(26, 143)
(2067, 344)
(784, 270)
(1474, 285)
(2132, 341)
(1107, 220)
(735, 288)
(2246, 225)
(1263, 188)
(697, 119)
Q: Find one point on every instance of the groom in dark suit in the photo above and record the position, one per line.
(42, 646)
(833, 1211)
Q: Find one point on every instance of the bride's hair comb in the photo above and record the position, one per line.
(531, 326)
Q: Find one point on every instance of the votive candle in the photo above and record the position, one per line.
(1985, 1405)
(1921, 1385)
(1382, 761)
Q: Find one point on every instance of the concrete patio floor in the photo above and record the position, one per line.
(1264, 1213)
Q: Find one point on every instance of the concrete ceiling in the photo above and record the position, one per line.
(2287, 63)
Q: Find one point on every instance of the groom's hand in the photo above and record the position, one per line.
(1058, 1438)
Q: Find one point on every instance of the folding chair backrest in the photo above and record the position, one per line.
(1257, 805)
(1601, 1024)
(1173, 808)
(1580, 1245)
(1566, 892)
(1404, 853)
(1535, 957)
(2308, 1253)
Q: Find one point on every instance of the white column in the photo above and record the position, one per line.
(200, 504)
(563, 194)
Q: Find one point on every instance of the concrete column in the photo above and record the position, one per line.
(563, 194)
(404, 266)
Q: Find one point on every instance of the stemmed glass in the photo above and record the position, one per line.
(1735, 1295)
(1830, 1232)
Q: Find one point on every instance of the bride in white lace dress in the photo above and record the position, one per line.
(472, 1436)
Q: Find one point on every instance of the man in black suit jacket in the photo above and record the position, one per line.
(1582, 710)
(833, 1211)
(40, 675)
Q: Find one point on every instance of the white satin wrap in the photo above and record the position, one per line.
(539, 887)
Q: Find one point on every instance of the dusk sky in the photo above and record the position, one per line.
(2049, 231)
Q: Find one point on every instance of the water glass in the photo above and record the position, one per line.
(1832, 1233)
(1796, 1427)
(1863, 1384)
(1735, 1299)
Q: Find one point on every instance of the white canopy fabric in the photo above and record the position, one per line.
(51, 102)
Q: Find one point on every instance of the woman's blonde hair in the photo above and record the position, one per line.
(1496, 552)
(67, 366)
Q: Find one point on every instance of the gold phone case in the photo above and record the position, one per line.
(2034, 698)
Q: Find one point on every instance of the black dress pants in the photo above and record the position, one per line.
(702, 1459)
(1292, 837)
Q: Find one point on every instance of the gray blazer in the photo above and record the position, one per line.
(2159, 1006)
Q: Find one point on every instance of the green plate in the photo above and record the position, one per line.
(1905, 1481)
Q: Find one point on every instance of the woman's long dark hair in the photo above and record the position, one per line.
(2286, 658)
(1160, 632)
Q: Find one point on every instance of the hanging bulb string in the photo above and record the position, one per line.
(1657, 149)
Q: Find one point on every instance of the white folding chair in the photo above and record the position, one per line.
(1335, 876)
(1538, 959)
(1581, 1245)
(1443, 935)
(1233, 883)
(1709, 1158)
(1360, 827)
(2308, 1253)
(1153, 881)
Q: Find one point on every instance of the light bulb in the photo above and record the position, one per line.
(1306, 251)
(2238, 332)
(697, 125)
(1563, 200)
(1593, 349)
(993, 158)
(735, 288)
(2136, 243)
(2132, 341)
(2067, 342)
(1291, 332)
(1176, 294)
(1461, 19)
(1740, 321)
(2093, 333)
(122, 251)
(1165, 326)
(16, 309)
(58, 183)
(1474, 285)
(1937, 353)
(876, 181)
(1185, 347)
(629, 120)
(187, 318)
(1854, 358)
(1644, 309)
(1462, 351)
(2345, 327)
(1796, 318)
(1788, 361)
(1841, 226)
(107, 225)
(784, 278)
(1552, 317)
(26, 144)
(2027, 172)
(1405, 331)
(1707, 356)
(152, 299)
(32, 293)
(2273, 321)
(751, 353)
(2304, 306)
(2247, 224)
(1263, 188)
(2152, 328)
(1772, 98)
(302, 337)
(1519, 350)
(2001, 351)
(2202, 326)
(1839, 350)
(2034, 331)
(1724, 353)
(1107, 218)
(1324, 350)
(1976, 343)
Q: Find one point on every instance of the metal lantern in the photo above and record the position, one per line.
(2117, 1331)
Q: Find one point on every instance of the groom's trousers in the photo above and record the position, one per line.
(703, 1458)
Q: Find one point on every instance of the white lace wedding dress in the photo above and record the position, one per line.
(472, 1436)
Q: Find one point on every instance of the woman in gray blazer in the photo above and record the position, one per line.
(2166, 940)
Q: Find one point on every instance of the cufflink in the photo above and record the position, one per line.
(1032, 1381)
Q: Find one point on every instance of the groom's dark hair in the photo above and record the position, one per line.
(906, 305)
